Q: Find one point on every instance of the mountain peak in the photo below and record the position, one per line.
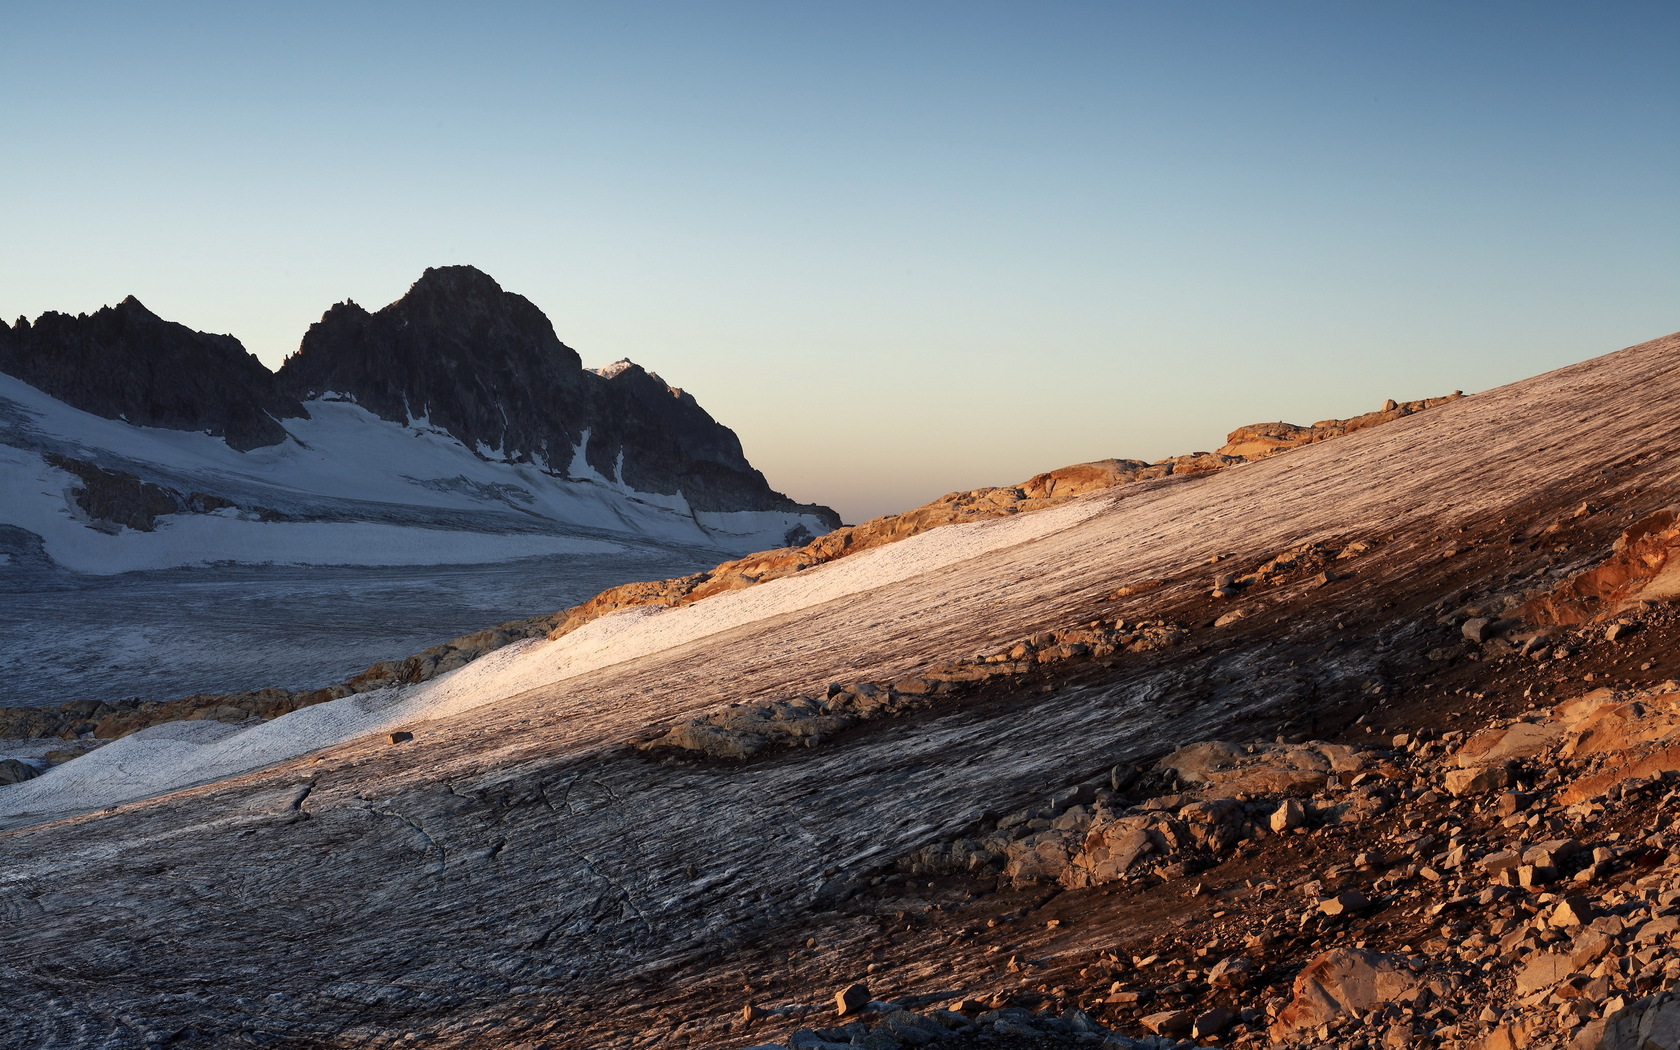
(484, 364)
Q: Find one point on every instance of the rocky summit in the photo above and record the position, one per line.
(485, 365)
(1361, 735)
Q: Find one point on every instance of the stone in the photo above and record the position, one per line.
(1652, 1023)
(851, 999)
(1345, 903)
(1169, 1022)
(1235, 972)
(1462, 782)
(401, 737)
(1289, 814)
(910, 1028)
(1342, 981)
(1210, 1023)
(1499, 745)
(1543, 970)
(1573, 910)
(1503, 860)
(14, 772)
(1215, 825)
(1478, 629)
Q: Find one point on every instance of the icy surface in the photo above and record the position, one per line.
(150, 762)
(171, 633)
(519, 855)
(913, 598)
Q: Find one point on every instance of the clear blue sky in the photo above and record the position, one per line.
(902, 248)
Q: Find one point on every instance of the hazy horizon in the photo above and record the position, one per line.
(900, 251)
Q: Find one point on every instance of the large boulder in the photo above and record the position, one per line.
(1342, 981)
(1267, 769)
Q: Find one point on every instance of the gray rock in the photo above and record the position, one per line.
(809, 1039)
(13, 772)
(1479, 629)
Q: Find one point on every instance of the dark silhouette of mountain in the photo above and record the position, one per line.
(125, 362)
(485, 365)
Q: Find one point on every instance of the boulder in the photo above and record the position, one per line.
(1341, 981)
(852, 999)
(1497, 746)
(1235, 972)
(1169, 1022)
(1652, 1023)
(1479, 629)
(1111, 848)
(1476, 781)
(13, 772)
(1543, 970)
(1289, 814)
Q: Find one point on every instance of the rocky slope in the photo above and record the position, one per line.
(1025, 767)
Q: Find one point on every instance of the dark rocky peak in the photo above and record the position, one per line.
(125, 362)
(485, 365)
(456, 347)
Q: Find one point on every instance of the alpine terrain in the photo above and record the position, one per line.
(177, 517)
(1360, 734)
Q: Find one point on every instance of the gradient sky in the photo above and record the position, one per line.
(901, 248)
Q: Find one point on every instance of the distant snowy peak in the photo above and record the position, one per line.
(484, 365)
(456, 355)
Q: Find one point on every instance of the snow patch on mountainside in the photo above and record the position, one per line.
(36, 500)
(388, 479)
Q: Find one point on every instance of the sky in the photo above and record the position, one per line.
(900, 248)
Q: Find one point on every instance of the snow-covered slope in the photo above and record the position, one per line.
(345, 488)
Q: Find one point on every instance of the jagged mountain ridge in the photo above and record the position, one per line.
(456, 352)
(125, 362)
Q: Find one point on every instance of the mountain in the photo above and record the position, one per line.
(485, 365)
(1370, 741)
(451, 425)
(125, 362)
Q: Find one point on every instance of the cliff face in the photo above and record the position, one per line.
(125, 362)
(485, 365)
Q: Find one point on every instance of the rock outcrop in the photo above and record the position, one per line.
(1259, 440)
